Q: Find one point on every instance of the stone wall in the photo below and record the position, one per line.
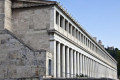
(17, 60)
(31, 25)
(2, 14)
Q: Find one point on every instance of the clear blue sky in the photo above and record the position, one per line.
(101, 18)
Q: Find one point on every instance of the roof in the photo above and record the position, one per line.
(31, 3)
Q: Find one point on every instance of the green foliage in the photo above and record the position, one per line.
(82, 75)
(115, 54)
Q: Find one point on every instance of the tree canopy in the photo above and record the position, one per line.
(115, 53)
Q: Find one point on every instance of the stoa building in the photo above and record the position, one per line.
(40, 38)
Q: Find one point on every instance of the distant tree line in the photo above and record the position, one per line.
(115, 53)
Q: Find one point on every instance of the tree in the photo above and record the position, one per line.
(116, 55)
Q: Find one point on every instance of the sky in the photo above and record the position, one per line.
(101, 18)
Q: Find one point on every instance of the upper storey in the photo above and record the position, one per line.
(67, 26)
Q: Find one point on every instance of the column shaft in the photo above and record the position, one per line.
(71, 62)
(63, 61)
(53, 51)
(58, 60)
(74, 63)
(67, 58)
(81, 64)
(84, 66)
(87, 66)
(78, 63)
(90, 68)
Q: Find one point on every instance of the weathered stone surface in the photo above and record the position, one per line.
(17, 60)
(31, 25)
(1, 6)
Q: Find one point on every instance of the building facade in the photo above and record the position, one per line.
(69, 49)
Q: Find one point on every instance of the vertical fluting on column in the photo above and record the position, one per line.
(87, 66)
(90, 69)
(83, 64)
(58, 60)
(63, 61)
(77, 63)
(67, 60)
(93, 68)
(71, 62)
(53, 51)
(74, 63)
(97, 70)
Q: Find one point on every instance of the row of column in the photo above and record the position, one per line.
(68, 63)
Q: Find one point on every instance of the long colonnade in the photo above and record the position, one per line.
(75, 52)
(70, 63)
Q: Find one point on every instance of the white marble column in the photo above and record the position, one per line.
(83, 60)
(89, 67)
(71, 62)
(81, 64)
(87, 64)
(92, 68)
(74, 63)
(78, 63)
(67, 60)
(58, 60)
(53, 51)
(95, 69)
(63, 61)
(84, 66)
